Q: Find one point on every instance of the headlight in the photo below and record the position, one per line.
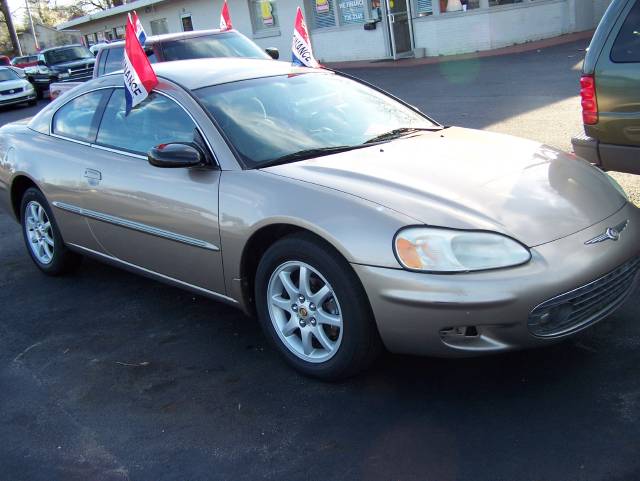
(43, 69)
(446, 250)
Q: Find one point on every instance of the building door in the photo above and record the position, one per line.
(399, 16)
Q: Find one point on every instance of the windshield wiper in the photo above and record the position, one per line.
(308, 154)
(399, 132)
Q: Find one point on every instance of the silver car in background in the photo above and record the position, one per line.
(344, 218)
(15, 88)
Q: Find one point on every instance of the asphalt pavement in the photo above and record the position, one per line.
(109, 376)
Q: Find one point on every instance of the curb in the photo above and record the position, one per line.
(414, 62)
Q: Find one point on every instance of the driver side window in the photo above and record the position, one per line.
(158, 120)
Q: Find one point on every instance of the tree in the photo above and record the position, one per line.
(89, 5)
(8, 22)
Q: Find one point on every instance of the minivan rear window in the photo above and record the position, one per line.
(626, 48)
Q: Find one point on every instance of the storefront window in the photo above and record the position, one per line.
(493, 3)
(425, 7)
(323, 14)
(458, 5)
(264, 15)
(159, 26)
(119, 32)
(351, 11)
(187, 23)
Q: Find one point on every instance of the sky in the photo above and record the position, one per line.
(18, 9)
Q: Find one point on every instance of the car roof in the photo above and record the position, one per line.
(171, 36)
(61, 47)
(203, 72)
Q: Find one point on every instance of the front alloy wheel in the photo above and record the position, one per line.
(305, 311)
(313, 308)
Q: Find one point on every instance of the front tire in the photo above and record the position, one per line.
(42, 236)
(313, 308)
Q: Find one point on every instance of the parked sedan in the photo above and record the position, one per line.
(15, 89)
(345, 218)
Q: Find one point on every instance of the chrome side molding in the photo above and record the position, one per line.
(137, 226)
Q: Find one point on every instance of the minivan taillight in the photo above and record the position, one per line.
(589, 101)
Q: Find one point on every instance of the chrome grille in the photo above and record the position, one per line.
(79, 74)
(12, 91)
(585, 305)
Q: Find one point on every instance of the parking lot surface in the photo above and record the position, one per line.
(109, 376)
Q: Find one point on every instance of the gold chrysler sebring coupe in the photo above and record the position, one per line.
(344, 218)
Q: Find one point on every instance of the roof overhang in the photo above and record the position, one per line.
(127, 7)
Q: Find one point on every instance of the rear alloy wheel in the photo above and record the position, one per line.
(42, 237)
(39, 232)
(313, 308)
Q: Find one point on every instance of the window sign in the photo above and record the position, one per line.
(322, 6)
(323, 16)
(266, 13)
(351, 11)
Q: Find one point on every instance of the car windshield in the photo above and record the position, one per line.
(216, 45)
(8, 74)
(67, 55)
(286, 118)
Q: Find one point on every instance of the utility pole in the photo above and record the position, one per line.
(33, 29)
(12, 30)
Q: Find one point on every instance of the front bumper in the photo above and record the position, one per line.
(469, 314)
(18, 98)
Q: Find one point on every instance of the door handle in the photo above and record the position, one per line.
(92, 176)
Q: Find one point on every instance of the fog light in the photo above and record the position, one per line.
(550, 319)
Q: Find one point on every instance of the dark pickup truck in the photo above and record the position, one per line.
(174, 46)
(71, 63)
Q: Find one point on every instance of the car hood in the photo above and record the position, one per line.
(469, 179)
(75, 64)
(12, 84)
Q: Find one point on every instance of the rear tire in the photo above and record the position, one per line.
(332, 340)
(42, 236)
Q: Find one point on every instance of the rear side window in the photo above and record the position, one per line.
(114, 60)
(217, 45)
(627, 45)
(158, 120)
(77, 119)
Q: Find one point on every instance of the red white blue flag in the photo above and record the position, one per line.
(139, 77)
(142, 36)
(301, 53)
(225, 17)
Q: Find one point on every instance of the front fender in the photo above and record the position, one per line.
(362, 231)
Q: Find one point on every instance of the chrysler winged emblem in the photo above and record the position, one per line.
(612, 233)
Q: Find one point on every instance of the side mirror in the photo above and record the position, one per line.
(175, 155)
(273, 52)
(41, 63)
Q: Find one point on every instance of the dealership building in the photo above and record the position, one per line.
(344, 30)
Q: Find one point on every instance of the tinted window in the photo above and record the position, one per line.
(76, 119)
(158, 120)
(217, 45)
(114, 59)
(67, 55)
(102, 60)
(627, 45)
(271, 117)
(8, 74)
